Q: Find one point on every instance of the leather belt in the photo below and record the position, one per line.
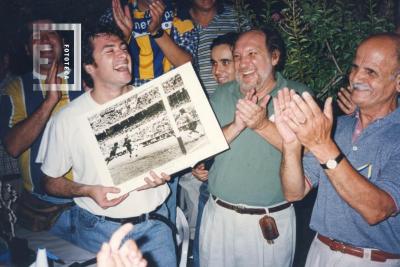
(376, 255)
(137, 219)
(251, 211)
(132, 220)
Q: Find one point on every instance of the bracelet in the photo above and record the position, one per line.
(157, 34)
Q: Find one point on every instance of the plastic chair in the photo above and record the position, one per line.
(182, 236)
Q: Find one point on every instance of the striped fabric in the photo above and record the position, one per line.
(148, 60)
(8, 165)
(225, 22)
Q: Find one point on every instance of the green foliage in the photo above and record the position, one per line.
(321, 36)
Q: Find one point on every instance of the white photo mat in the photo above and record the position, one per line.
(166, 125)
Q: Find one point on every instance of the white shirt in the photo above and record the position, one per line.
(63, 147)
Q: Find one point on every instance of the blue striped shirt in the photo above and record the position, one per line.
(376, 156)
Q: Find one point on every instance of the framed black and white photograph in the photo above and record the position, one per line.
(165, 125)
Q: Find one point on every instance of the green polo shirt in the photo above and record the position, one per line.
(247, 173)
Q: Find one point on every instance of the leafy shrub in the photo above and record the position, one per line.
(321, 36)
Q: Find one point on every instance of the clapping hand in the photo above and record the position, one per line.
(344, 100)
(157, 9)
(122, 18)
(281, 110)
(52, 83)
(128, 255)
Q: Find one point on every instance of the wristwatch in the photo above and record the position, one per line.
(332, 163)
(157, 34)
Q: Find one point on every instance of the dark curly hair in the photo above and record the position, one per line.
(227, 38)
(90, 32)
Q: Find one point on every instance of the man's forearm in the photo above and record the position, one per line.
(371, 202)
(175, 54)
(23, 134)
(269, 132)
(62, 187)
(231, 131)
(294, 185)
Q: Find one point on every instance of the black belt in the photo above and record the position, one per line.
(251, 211)
(132, 220)
(142, 218)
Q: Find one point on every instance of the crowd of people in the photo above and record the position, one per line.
(282, 144)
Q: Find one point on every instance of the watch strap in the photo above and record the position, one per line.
(157, 34)
(338, 159)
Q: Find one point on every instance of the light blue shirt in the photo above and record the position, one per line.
(376, 155)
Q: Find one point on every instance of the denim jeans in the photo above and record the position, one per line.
(64, 226)
(204, 195)
(88, 231)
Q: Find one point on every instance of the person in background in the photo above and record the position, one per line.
(158, 39)
(222, 65)
(223, 71)
(212, 18)
(8, 165)
(24, 120)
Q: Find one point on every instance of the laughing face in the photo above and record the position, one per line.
(112, 62)
(374, 74)
(223, 68)
(254, 64)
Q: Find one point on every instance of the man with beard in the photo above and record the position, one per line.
(95, 217)
(356, 213)
(244, 181)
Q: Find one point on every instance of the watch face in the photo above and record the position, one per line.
(331, 164)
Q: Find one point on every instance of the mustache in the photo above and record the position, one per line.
(361, 86)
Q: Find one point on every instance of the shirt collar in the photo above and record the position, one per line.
(393, 116)
(280, 83)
